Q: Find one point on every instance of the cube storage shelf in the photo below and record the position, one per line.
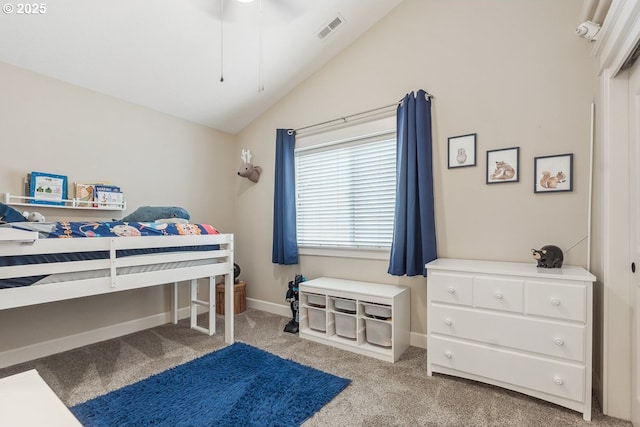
(372, 319)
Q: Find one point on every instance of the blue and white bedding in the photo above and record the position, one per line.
(72, 230)
(66, 229)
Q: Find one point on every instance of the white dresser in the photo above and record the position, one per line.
(513, 325)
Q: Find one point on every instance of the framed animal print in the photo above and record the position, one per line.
(462, 151)
(553, 173)
(503, 165)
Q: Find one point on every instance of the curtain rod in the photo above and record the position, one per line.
(344, 119)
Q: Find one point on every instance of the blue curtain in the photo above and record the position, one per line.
(414, 230)
(285, 244)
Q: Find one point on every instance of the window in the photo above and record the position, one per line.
(345, 192)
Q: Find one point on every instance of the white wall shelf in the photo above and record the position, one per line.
(513, 325)
(321, 321)
(13, 200)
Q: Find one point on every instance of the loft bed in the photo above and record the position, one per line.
(46, 262)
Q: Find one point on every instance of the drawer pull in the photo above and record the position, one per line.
(498, 295)
(448, 322)
(555, 301)
(558, 341)
(447, 354)
(451, 290)
(558, 380)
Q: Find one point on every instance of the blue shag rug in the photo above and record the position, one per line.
(239, 385)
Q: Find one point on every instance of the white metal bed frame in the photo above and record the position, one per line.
(18, 242)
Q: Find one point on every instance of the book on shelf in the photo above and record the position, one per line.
(84, 194)
(107, 196)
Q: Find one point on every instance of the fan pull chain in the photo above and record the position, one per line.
(260, 52)
(221, 40)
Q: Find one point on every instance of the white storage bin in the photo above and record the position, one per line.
(379, 311)
(316, 300)
(317, 319)
(345, 325)
(378, 332)
(344, 305)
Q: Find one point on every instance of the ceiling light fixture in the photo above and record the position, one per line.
(245, 1)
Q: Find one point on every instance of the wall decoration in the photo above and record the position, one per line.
(47, 188)
(462, 151)
(548, 256)
(553, 173)
(247, 169)
(503, 165)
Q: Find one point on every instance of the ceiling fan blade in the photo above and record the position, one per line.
(233, 11)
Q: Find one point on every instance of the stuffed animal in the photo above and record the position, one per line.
(548, 256)
(247, 170)
(158, 214)
(8, 214)
(33, 216)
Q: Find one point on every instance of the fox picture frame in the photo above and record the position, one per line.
(503, 165)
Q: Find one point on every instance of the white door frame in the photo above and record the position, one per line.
(634, 226)
(610, 254)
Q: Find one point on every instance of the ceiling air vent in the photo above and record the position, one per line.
(330, 27)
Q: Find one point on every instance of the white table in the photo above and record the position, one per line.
(26, 400)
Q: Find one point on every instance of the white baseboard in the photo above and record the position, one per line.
(269, 307)
(58, 345)
(418, 340)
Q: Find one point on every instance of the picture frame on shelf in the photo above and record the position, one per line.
(553, 174)
(503, 165)
(462, 151)
(47, 188)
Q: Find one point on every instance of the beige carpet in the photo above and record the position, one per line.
(381, 394)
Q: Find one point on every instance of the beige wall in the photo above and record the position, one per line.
(54, 127)
(511, 71)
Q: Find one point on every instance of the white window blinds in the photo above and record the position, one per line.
(345, 193)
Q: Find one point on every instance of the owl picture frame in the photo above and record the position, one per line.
(503, 165)
(462, 151)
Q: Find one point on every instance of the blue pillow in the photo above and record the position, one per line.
(155, 213)
(8, 214)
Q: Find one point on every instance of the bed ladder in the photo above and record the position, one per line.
(195, 303)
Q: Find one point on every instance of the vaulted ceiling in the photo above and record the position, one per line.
(171, 55)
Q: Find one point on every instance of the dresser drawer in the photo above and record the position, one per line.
(545, 337)
(535, 373)
(450, 288)
(556, 300)
(498, 293)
